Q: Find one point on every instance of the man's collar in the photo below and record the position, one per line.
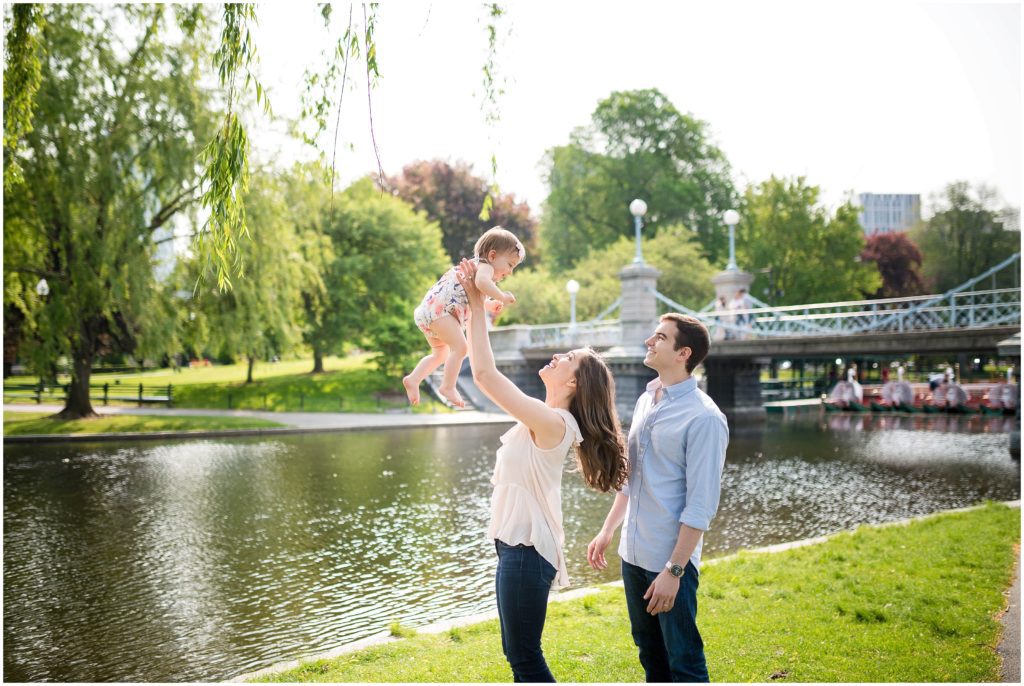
(676, 390)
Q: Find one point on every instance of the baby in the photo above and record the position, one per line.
(443, 314)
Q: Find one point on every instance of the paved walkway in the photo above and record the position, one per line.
(294, 422)
(1009, 645)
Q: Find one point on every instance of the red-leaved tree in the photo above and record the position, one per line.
(453, 197)
(899, 262)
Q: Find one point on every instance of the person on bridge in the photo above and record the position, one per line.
(739, 304)
(443, 314)
(724, 319)
(677, 443)
(577, 417)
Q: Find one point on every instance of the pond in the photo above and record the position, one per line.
(199, 560)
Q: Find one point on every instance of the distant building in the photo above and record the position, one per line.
(888, 212)
(1010, 218)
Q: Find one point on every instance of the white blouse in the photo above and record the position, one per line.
(526, 507)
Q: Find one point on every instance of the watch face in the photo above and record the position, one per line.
(676, 570)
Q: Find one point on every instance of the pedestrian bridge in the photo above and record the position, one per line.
(969, 318)
(976, 317)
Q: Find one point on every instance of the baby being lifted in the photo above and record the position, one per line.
(444, 312)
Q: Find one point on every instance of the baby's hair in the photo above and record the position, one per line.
(500, 240)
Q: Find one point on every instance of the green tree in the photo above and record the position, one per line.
(813, 256)
(637, 145)
(541, 297)
(109, 161)
(383, 258)
(22, 75)
(226, 156)
(964, 237)
(262, 313)
(452, 197)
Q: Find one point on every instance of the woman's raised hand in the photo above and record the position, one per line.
(466, 274)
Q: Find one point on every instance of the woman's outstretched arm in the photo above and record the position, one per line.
(547, 426)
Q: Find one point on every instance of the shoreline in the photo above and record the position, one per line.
(384, 637)
(295, 423)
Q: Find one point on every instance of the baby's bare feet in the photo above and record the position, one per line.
(412, 389)
(452, 396)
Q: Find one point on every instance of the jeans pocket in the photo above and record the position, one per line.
(547, 570)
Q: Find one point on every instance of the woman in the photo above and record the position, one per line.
(577, 415)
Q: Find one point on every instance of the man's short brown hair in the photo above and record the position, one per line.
(690, 333)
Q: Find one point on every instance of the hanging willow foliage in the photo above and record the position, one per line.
(321, 86)
(226, 158)
(492, 114)
(22, 76)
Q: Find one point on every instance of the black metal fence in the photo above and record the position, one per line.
(141, 393)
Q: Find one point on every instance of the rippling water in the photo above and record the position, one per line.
(200, 560)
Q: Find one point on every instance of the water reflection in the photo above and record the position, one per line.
(199, 560)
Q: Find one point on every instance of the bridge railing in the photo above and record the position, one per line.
(511, 339)
(975, 309)
(959, 308)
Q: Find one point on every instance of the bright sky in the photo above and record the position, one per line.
(891, 97)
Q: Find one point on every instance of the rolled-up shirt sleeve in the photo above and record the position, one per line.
(705, 443)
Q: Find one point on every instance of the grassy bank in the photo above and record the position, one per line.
(349, 384)
(21, 423)
(914, 603)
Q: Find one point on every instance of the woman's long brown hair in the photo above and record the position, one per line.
(602, 454)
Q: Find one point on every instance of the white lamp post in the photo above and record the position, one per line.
(731, 219)
(638, 208)
(573, 286)
(43, 288)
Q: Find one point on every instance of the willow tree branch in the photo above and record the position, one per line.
(337, 121)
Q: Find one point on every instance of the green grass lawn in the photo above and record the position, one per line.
(914, 603)
(20, 423)
(349, 384)
(217, 373)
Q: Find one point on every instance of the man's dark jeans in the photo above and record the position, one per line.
(522, 583)
(670, 646)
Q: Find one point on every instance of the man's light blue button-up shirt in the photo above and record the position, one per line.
(676, 456)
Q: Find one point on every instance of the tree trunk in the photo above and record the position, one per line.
(252, 361)
(318, 362)
(50, 377)
(13, 319)
(78, 405)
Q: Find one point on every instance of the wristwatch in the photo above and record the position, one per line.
(674, 569)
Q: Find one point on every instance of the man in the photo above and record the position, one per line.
(677, 443)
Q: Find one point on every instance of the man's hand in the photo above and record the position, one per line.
(662, 593)
(595, 551)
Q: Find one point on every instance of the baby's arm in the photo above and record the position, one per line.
(485, 282)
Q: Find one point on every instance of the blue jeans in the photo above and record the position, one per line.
(522, 584)
(670, 646)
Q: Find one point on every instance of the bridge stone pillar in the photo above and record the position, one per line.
(735, 386)
(639, 309)
(729, 281)
(638, 319)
